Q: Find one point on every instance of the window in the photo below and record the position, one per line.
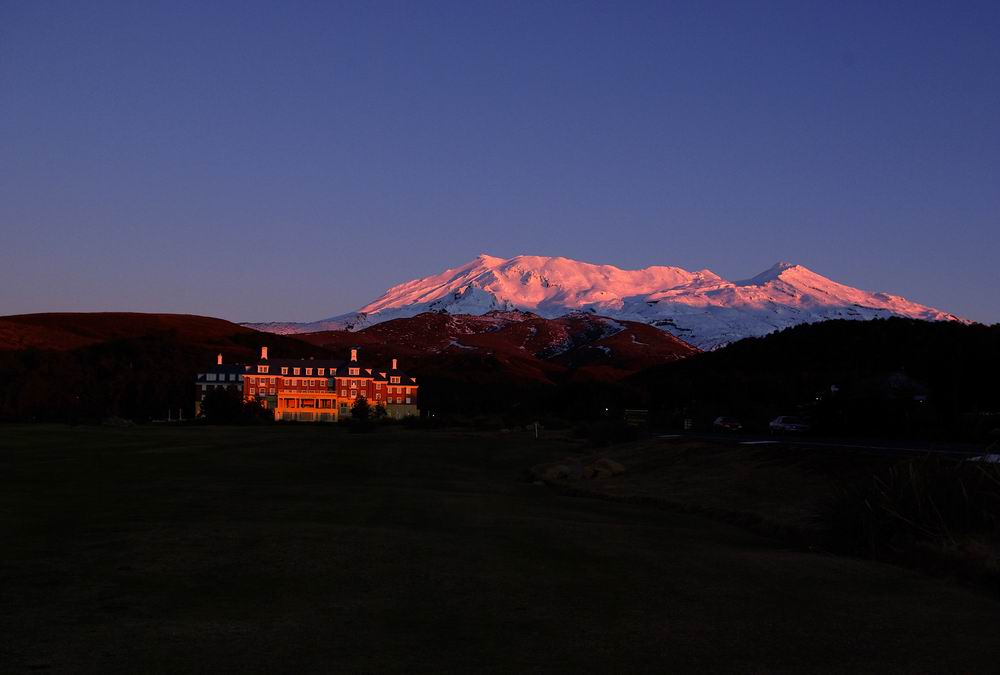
(354, 384)
(272, 391)
(262, 369)
(210, 377)
(353, 371)
(378, 385)
(309, 371)
(343, 392)
(407, 399)
(295, 371)
(284, 371)
(394, 379)
(252, 390)
(321, 371)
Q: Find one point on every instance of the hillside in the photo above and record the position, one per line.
(91, 366)
(516, 363)
(71, 330)
(521, 345)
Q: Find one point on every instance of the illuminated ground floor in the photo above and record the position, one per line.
(325, 408)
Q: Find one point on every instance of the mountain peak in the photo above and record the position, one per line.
(488, 259)
(770, 274)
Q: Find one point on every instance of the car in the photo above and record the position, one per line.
(789, 424)
(727, 424)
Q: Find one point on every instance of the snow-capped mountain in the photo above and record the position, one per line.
(700, 307)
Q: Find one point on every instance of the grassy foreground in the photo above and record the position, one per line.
(307, 549)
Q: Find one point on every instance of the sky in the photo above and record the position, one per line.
(291, 160)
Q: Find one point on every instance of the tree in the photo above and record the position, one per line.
(360, 411)
(222, 406)
(226, 406)
(380, 411)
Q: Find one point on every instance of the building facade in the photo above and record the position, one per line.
(311, 390)
(220, 376)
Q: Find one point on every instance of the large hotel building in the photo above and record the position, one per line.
(310, 390)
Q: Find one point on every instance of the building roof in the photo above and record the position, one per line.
(337, 366)
(224, 369)
(384, 375)
(277, 364)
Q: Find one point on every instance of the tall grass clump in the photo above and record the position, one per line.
(927, 512)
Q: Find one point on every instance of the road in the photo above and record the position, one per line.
(880, 445)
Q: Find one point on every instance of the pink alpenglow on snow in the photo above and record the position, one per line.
(700, 307)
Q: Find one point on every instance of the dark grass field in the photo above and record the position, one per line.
(308, 549)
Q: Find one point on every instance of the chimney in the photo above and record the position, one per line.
(393, 363)
(263, 353)
(218, 360)
(354, 355)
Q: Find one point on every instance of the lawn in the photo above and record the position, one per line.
(309, 549)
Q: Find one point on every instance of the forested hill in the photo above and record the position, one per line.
(893, 376)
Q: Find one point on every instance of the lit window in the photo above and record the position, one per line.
(378, 396)
(272, 391)
(262, 369)
(295, 371)
(353, 371)
(394, 379)
(343, 392)
(407, 399)
(378, 385)
(252, 390)
(309, 371)
(284, 371)
(321, 371)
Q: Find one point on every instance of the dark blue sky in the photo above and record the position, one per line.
(291, 160)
